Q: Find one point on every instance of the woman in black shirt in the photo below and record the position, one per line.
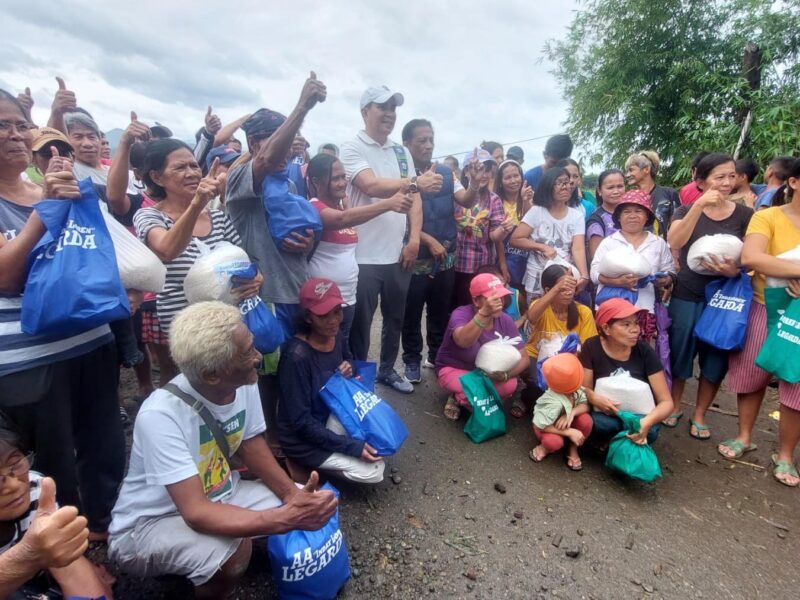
(615, 351)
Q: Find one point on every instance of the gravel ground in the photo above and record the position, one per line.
(459, 520)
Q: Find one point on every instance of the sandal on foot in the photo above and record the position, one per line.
(783, 467)
(574, 464)
(532, 455)
(517, 409)
(672, 420)
(451, 409)
(696, 431)
(737, 447)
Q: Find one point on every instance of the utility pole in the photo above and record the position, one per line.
(752, 73)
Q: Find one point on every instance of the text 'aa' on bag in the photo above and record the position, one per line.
(268, 334)
(310, 565)
(780, 354)
(637, 461)
(364, 415)
(487, 420)
(570, 344)
(288, 212)
(73, 283)
(723, 322)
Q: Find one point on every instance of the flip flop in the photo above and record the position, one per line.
(451, 409)
(783, 467)
(517, 409)
(574, 464)
(699, 428)
(672, 420)
(738, 448)
(532, 455)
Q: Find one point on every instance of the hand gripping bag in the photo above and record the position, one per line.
(209, 278)
(719, 245)
(287, 212)
(780, 354)
(364, 415)
(73, 283)
(723, 322)
(366, 372)
(139, 268)
(310, 565)
(268, 335)
(488, 419)
(634, 396)
(637, 461)
(498, 356)
(792, 255)
(570, 344)
(624, 260)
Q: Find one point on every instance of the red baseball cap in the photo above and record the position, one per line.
(615, 308)
(487, 284)
(320, 296)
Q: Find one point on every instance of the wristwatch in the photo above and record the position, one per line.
(412, 187)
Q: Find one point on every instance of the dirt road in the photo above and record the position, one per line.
(709, 529)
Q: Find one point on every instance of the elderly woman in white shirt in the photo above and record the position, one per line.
(633, 216)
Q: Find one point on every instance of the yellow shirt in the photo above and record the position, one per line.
(510, 209)
(781, 234)
(550, 327)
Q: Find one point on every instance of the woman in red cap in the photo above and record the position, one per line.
(307, 432)
(469, 328)
(633, 217)
(562, 412)
(619, 351)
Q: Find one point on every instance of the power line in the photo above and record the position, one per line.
(503, 144)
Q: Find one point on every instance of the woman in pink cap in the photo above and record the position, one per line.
(618, 351)
(469, 328)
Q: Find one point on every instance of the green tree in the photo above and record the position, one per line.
(669, 76)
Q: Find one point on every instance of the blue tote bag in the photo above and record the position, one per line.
(73, 283)
(310, 565)
(364, 415)
(268, 334)
(723, 323)
(287, 212)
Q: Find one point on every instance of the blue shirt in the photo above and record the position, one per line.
(532, 176)
(765, 198)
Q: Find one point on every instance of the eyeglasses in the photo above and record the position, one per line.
(21, 126)
(562, 183)
(18, 468)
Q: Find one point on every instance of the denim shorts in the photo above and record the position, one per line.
(683, 346)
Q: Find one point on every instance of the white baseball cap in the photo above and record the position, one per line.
(380, 94)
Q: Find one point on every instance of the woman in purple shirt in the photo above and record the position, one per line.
(469, 328)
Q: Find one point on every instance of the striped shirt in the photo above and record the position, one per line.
(172, 299)
(22, 522)
(21, 351)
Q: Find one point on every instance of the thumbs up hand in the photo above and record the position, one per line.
(213, 122)
(64, 100)
(56, 536)
(59, 179)
(26, 100)
(430, 181)
(314, 91)
(136, 131)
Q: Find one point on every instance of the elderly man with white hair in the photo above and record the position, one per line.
(183, 509)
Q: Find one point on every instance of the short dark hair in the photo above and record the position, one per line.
(543, 195)
(710, 162)
(748, 168)
(784, 194)
(411, 126)
(559, 146)
(453, 158)
(155, 159)
(9, 433)
(490, 147)
(781, 166)
(698, 157)
(602, 177)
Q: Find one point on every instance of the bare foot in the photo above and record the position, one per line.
(538, 453)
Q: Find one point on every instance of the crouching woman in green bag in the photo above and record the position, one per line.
(470, 327)
(771, 232)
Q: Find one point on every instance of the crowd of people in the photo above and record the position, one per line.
(482, 247)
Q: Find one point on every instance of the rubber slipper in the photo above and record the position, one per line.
(532, 455)
(574, 464)
(672, 420)
(783, 467)
(517, 409)
(451, 409)
(738, 448)
(699, 429)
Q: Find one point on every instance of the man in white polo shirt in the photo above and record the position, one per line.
(387, 247)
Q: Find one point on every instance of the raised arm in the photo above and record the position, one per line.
(117, 183)
(63, 102)
(226, 131)
(358, 215)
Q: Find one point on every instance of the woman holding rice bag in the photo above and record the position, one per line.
(772, 232)
(712, 213)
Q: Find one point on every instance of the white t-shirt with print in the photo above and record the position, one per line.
(556, 233)
(171, 443)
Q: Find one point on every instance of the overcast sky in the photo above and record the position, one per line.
(473, 68)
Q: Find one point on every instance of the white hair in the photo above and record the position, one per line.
(201, 338)
(79, 119)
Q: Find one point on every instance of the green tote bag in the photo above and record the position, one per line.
(780, 354)
(488, 419)
(637, 461)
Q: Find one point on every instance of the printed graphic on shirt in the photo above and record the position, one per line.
(620, 372)
(213, 468)
(472, 220)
